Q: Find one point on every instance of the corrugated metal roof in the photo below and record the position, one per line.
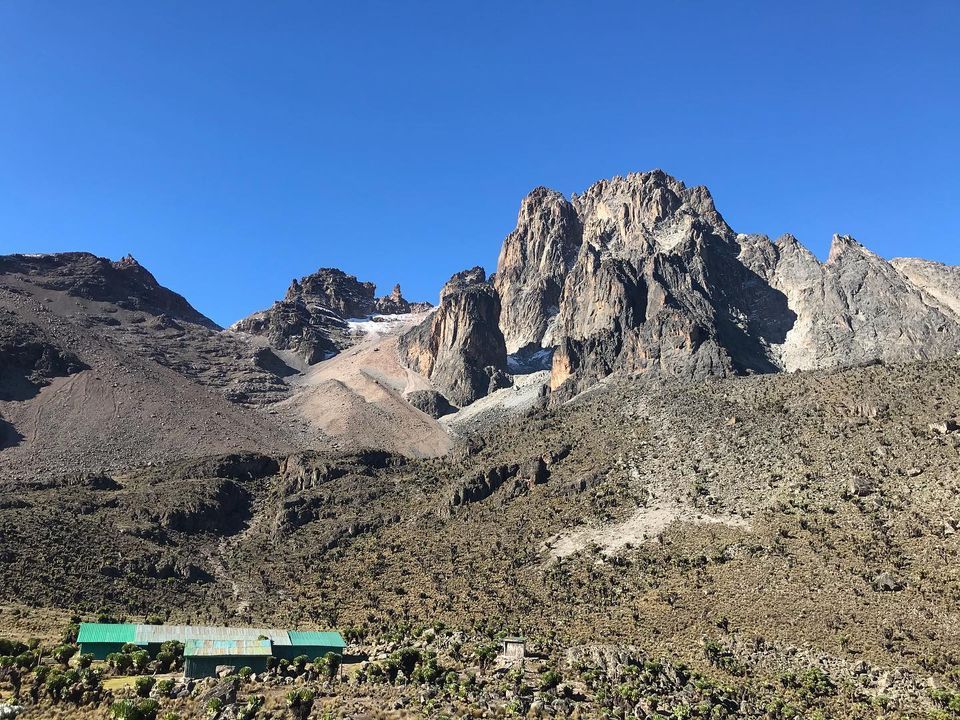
(227, 648)
(310, 637)
(107, 633)
(147, 634)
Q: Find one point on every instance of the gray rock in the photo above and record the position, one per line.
(460, 346)
(431, 402)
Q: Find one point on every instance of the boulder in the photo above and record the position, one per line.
(431, 402)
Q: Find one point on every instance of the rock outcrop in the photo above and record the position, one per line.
(460, 346)
(641, 273)
(311, 320)
(534, 261)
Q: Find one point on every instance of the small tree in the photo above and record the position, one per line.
(140, 659)
(143, 685)
(84, 661)
(124, 710)
(299, 663)
(300, 702)
(63, 653)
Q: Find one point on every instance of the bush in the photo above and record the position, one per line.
(143, 685)
(124, 710)
(214, 706)
(12, 647)
(328, 665)
(428, 670)
(63, 653)
(245, 672)
(140, 658)
(249, 711)
(486, 654)
(84, 661)
(26, 660)
(148, 709)
(163, 688)
(56, 683)
(300, 703)
(120, 662)
(299, 663)
(131, 710)
(550, 679)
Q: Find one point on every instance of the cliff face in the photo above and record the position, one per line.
(641, 273)
(533, 263)
(460, 347)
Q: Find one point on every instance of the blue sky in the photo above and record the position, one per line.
(231, 146)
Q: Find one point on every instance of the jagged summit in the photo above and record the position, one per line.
(312, 318)
(640, 273)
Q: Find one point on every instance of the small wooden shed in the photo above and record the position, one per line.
(514, 647)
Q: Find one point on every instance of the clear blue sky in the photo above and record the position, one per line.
(231, 146)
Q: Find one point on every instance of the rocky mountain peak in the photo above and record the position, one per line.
(312, 318)
(845, 244)
(460, 347)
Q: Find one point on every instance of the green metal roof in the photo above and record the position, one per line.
(107, 633)
(227, 648)
(323, 639)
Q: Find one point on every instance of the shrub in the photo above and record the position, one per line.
(140, 659)
(84, 661)
(143, 685)
(148, 709)
(12, 647)
(249, 711)
(407, 658)
(124, 710)
(328, 665)
(163, 688)
(120, 662)
(214, 706)
(245, 672)
(56, 683)
(486, 654)
(299, 663)
(300, 702)
(63, 653)
(550, 679)
(26, 660)
(428, 671)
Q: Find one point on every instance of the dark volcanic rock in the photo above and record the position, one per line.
(456, 345)
(125, 283)
(311, 319)
(29, 359)
(431, 402)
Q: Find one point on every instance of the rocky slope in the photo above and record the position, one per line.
(100, 366)
(311, 320)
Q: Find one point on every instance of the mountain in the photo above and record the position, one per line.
(101, 367)
(311, 320)
(704, 473)
(641, 273)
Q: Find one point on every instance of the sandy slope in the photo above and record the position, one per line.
(357, 396)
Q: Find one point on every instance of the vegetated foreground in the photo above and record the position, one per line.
(772, 546)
